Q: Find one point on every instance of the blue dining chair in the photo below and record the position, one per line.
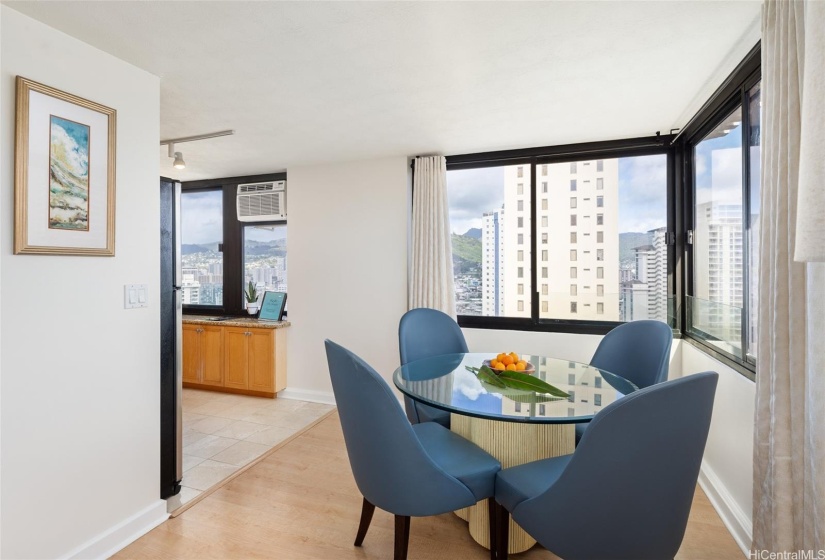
(639, 351)
(626, 492)
(423, 333)
(408, 470)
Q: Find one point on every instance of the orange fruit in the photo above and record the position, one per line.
(495, 364)
(511, 367)
(521, 366)
(508, 360)
(500, 356)
(514, 356)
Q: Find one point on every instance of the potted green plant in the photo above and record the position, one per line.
(251, 294)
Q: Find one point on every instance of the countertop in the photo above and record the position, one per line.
(233, 322)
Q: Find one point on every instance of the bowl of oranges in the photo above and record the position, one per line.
(509, 362)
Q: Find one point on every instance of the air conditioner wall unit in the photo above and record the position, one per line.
(262, 202)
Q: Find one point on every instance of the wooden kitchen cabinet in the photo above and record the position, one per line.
(203, 349)
(252, 360)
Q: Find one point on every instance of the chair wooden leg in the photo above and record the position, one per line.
(492, 512)
(402, 536)
(367, 509)
(502, 532)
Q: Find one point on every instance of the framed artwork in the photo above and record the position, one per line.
(272, 307)
(64, 173)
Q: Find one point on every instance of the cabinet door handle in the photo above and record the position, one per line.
(247, 333)
(198, 330)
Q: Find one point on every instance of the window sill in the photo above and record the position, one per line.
(745, 368)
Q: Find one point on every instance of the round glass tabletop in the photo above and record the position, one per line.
(452, 382)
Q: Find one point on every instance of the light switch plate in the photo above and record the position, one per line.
(135, 295)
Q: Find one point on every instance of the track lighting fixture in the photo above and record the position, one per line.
(179, 163)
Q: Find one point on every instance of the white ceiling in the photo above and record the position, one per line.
(315, 82)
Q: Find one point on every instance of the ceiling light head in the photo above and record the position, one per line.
(179, 163)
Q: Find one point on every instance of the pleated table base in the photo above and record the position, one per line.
(512, 443)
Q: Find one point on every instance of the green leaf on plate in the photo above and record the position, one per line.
(524, 382)
(487, 375)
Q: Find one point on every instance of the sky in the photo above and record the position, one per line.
(642, 194)
(202, 220)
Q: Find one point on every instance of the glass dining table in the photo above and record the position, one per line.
(507, 419)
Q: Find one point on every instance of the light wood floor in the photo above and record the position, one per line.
(301, 502)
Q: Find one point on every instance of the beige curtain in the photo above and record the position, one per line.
(789, 435)
(431, 269)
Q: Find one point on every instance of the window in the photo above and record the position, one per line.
(627, 238)
(573, 307)
(544, 170)
(599, 290)
(264, 257)
(599, 308)
(722, 310)
(544, 288)
(544, 306)
(521, 289)
(544, 187)
(201, 229)
(597, 400)
(599, 184)
(573, 272)
(487, 234)
(520, 305)
(520, 188)
(598, 382)
(574, 289)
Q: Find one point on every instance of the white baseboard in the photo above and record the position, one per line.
(127, 531)
(323, 397)
(735, 519)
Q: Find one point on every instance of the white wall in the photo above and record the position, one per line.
(348, 267)
(727, 468)
(79, 379)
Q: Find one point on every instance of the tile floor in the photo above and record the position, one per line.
(223, 432)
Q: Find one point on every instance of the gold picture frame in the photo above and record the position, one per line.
(64, 173)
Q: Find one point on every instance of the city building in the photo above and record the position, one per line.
(644, 288)
(492, 263)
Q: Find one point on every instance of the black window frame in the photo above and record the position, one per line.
(532, 158)
(233, 239)
(731, 94)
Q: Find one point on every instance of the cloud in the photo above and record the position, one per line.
(201, 216)
(471, 193)
(467, 384)
(642, 193)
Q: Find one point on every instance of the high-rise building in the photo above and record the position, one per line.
(492, 263)
(190, 289)
(718, 274)
(578, 244)
(644, 295)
